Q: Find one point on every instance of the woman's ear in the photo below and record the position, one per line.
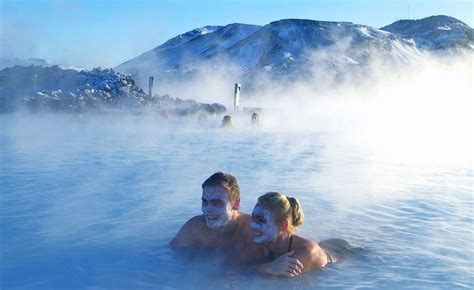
(284, 225)
(236, 205)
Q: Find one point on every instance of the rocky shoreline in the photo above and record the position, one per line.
(53, 89)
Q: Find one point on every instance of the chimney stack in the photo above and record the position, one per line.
(236, 97)
(150, 86)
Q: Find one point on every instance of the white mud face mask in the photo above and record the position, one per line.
(216, 206)
(263, 227)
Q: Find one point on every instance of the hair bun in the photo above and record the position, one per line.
(296, 211)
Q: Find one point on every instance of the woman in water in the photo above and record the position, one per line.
(274, 220)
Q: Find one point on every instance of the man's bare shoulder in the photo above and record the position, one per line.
(245, 217)
(196, 223)
(243, 221)
(190, 233)
(196, 220)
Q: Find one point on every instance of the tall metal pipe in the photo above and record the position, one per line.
(150, 86)
(236, 97)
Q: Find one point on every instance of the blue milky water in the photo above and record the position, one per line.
(91, 203)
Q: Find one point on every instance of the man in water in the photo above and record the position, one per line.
(221, 226)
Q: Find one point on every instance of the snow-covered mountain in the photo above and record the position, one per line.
(188, 47)
(293, 47)
(290, 43)
(435, 32)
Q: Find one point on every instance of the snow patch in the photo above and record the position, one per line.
(349, 60)
(364, 31)
(447, 28)
(204, 30)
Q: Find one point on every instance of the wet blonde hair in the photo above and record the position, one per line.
(283, 207)
(228, 182)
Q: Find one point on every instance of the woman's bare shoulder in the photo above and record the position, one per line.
(310, 251)
(305, 242)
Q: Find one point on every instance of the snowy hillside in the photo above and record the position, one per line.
(435, 32)
(191, 46)
(292, 42)
(291, 48)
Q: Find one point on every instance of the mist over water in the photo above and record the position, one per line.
(384, 162)
(415, 111)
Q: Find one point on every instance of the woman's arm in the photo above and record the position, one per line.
(285, 265)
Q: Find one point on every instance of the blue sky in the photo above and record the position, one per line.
(90, 33)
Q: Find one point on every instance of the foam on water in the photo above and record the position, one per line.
(93, 203)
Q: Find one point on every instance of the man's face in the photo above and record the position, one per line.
(263, 227)
(216, 206)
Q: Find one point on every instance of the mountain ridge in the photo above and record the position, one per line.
(284, 49)
(435, 32)
(257, 47)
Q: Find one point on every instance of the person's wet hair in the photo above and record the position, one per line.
(283, 207)
(227, 181)
(255, 119)
(227, 121)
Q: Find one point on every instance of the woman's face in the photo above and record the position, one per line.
(263, 226)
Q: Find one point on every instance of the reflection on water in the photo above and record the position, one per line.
(93, 203)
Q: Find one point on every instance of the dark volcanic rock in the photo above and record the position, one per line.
(65, 90)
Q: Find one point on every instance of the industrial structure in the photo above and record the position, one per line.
(236, 97)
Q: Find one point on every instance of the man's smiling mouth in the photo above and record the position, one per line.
(257, 233)
(212, 216)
